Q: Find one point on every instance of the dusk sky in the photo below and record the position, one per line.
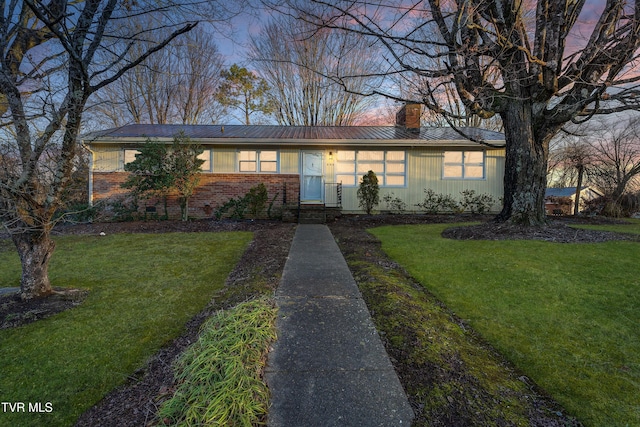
(233, 45)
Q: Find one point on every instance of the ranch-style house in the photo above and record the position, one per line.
(319, 166)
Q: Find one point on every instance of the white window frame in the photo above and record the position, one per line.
(259, 161)
(464, 165)
(383, 176)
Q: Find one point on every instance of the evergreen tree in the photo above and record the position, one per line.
(368, 192)
(245, 91)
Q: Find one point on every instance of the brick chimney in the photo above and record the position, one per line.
(409, 117)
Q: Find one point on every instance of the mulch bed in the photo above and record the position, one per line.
(556, 231)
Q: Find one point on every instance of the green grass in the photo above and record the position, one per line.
(143, 289)
(445, 370)
(633, 227)
(567, 315)
(220, 376)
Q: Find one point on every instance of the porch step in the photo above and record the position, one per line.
(312, 214)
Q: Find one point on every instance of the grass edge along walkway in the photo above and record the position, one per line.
(143, 290)
(565, 314)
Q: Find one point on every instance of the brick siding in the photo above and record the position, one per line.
(213, 190)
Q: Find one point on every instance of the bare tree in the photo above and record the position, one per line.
(569, 160)
(177, 85)
(297, 60)
(49, 68)
(548, 73)
(615, 161)
(603, 153)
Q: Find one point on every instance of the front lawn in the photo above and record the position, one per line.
(142, 291)
(631, 226)
(567, 315)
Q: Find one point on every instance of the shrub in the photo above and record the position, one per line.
(430, 203)
(434, 203)
(255, 202)
(124, 208)
(394, 204)
(626, 206)
(476, 203)
(257, 199)
(630, 203)
(79, 213)
(368, 192)
(235, 207)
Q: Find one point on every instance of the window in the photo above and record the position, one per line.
(258, 161)
(389, 166)
(268, 161)
(463, 164)
(130, 155)
(207, 156)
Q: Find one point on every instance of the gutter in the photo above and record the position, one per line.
(312, 142)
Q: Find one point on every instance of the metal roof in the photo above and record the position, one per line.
(304, 135)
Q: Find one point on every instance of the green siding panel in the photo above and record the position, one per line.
(290, 161)
(224, 160)
(107, 159)
(424, 170)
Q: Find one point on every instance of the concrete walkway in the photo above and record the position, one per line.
(328, 366)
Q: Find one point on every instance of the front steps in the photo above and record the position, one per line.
(317, 214)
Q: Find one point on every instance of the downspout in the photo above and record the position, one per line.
(90, 189)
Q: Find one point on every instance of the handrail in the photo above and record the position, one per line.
(333, 194)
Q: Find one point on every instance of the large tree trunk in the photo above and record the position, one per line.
(35, 250)
(525, 176)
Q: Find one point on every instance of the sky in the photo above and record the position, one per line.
(233, 46)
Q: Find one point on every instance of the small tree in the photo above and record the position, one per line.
(368, 192)
(159, 169)
(150, 176)
(184, 166)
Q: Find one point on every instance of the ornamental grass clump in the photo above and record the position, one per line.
(220, 376)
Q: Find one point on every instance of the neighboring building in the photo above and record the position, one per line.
(313, 165)
(560, 201)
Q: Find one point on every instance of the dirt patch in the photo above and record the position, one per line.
(15, 312)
